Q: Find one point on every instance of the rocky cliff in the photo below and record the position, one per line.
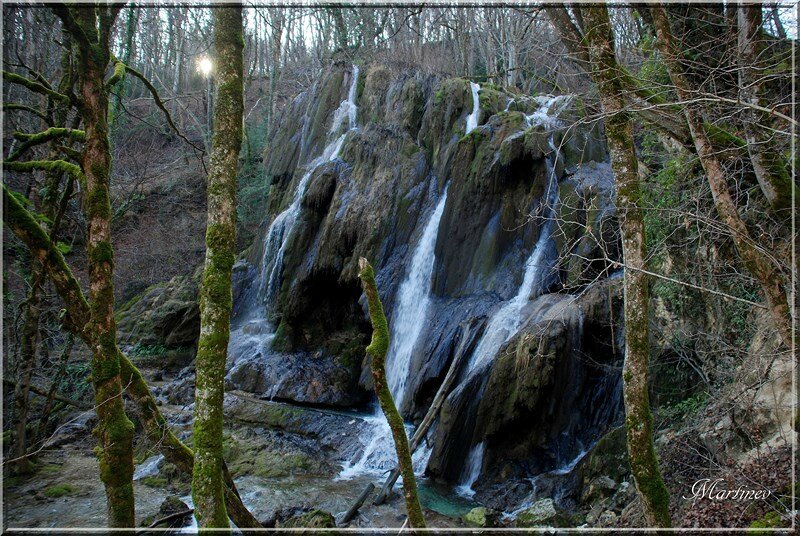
(338, 193)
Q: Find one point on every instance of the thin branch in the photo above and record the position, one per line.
(156, 98)
(25, 108)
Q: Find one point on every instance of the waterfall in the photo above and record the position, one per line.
(277, 237)
(254, 333)
(472, 470)
(412, 307)
(472, 119)
(412, 304)
(539, 269)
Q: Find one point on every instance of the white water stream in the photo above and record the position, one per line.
(472, 119)
(539, 269)
(255, 333)
(412, 308)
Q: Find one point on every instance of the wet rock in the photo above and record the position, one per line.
(607, 519)
(301, 377)
(74, 430)
(607, 462)
(599, 488)
(588, 230)
(180, 390)
(543, 513)
(481, 517)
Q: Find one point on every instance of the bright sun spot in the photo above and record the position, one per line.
(205, 65)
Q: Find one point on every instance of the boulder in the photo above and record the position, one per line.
(481, 517)
(170, 506)
(163, 321)
(543, 513)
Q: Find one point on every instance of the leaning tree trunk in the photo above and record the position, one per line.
(761, 266)
(770, 167)
(215, 290)
(377, 352)
(638, 417)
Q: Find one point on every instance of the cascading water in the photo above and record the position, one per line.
(254, 332)
(278, 234)
(472, 119)
(539, 272)
(472, 470)
(413, 304)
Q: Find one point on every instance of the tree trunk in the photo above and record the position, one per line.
(275, 67)
(44, 420)
(771, 169)
(377, 352)
(130, 29)
(215, 289)
(619, 133)
(25, 366)
(91, 28)
(341, 27)
(763, 269)
(50, 208)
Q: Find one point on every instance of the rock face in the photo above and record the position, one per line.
(543, 513)
(163, 320)
(299, 326)
(547, 395)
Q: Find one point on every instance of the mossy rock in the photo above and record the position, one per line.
(543, 513)
(158, 482)
(608, 458)
(59, 490)
(481, 517)
(315, 519)
(771, 520)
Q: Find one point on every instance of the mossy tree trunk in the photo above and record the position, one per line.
(90, 29)
(763, 267)
(215, 290)
(771, 169)
(28, 230)
(376, 351)
(619, 133)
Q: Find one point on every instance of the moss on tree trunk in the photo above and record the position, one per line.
(771, 169)
(619, 132)
(763, 267)
(215, 291)
(376, 351)
(91, 29)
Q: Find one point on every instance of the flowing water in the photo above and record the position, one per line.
(539, 273)
(254, 334)
(472, 470)
(472, 119)
(413, 304)
(277, 236)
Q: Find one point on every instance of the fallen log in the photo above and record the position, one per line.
(353, 510)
